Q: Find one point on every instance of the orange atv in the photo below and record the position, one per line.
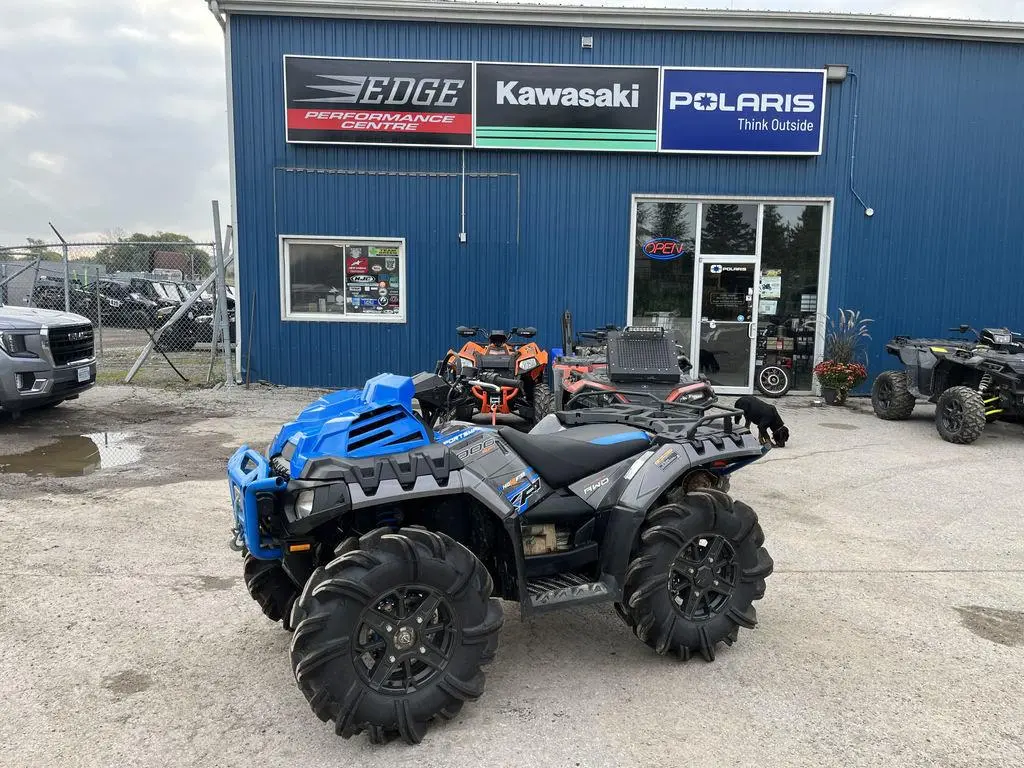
(515, 374)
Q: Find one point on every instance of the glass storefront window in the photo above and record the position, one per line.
(663, 271)
(728, 229)
(788, 295)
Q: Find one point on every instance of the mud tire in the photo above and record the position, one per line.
(332, 613)
(269, 585)
(671, 536)
(890, 397)
(960, 415)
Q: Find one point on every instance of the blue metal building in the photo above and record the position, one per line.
(920, 128)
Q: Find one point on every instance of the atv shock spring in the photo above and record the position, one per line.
(986, 382)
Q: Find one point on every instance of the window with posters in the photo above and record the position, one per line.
(345, 279)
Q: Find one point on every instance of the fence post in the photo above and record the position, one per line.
(222, 296)
(67, 269)
(99, 309)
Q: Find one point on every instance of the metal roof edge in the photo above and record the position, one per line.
(634, 17)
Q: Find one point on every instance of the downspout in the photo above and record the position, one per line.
(215, 10)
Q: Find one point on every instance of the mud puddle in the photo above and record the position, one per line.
(75, 455)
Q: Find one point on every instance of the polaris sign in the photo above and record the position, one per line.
(742, 111)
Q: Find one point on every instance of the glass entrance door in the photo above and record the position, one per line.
(725, 338)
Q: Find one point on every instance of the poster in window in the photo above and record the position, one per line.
(372, 274)
(771, 284)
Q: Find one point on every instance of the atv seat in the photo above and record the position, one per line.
(561, 459)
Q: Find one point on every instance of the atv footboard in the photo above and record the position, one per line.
(250, 477)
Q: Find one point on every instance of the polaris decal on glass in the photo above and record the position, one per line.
(378, 101)
(742, 111)
(535, 106)
(666, 248)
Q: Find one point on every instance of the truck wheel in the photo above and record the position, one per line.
(773, 381)
(960, 415)
(543, 402)
(269, 585)
(700, 567)
(392, 634)
(890, 397)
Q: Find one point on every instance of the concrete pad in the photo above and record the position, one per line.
(891, 634)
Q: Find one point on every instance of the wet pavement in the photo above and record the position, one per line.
(74, 455)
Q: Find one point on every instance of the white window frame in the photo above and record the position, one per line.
(287, 314)
(824, 255)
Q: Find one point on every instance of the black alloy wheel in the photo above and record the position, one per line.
(702, 578)
(405, 640)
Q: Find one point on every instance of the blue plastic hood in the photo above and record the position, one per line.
(350, 423)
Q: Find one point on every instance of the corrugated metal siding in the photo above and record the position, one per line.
(938, 157)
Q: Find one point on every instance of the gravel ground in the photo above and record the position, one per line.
(892, 632)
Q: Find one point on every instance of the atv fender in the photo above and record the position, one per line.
(655, 473)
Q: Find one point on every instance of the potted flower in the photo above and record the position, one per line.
(837, 379)
(843, 369)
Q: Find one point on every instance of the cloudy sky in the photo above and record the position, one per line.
(112, 113)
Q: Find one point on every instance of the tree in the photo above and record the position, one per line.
(35, 249)
(724, 232)
(134, 253)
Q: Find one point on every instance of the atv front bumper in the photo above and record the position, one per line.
(251, 479)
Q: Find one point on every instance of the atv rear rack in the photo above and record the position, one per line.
(668, 422)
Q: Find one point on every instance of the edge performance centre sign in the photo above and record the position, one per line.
(742, 111)
(378, 101)
(570, 107)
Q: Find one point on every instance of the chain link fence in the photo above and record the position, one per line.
(154, 305)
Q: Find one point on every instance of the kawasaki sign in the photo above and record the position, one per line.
(531, 106)
(371, 101)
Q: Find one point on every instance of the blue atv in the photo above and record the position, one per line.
(382, 538)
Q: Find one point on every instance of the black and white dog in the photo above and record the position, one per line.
(766, 417)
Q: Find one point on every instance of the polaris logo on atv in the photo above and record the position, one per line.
(618, 96)
(594, 486)
(664, 248)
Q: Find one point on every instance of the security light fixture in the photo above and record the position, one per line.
(587, 41)
(836, 73)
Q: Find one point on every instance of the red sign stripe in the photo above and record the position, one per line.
(381, 121)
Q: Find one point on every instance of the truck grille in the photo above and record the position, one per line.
(71, 343)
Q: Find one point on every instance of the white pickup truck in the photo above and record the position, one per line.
(46, 357)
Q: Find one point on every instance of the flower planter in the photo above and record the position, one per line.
(834, 396)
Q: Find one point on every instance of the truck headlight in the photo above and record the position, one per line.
(304, 503)
(14, 344)
(528, 364)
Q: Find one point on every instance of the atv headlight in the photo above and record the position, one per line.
(164, 311)
(528, 364)
(304, 503)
